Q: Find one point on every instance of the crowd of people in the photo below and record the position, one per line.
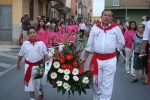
(133, 35)
(55, 32)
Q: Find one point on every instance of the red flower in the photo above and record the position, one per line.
(64, 66)
(57, 53)
(75, 63)
(81, 70)
(70, 67)
(69, 56)
(61, 59)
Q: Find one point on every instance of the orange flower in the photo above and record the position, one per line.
(75, 63)
(69, 56)
(81, 70)
(61, 59)
(64, 66)
(70, 67)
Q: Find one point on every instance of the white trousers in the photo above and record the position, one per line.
(33, 82)
(25, 36)
(106, 72)
(128, 52)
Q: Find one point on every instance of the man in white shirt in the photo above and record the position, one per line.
(104, 38)
(82, 28)
(144, 20)
(146, 39)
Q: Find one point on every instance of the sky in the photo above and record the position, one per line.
(98, 7)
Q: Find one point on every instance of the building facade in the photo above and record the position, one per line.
(131, 9)
(11, 12)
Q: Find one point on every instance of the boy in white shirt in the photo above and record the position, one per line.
(34, 51)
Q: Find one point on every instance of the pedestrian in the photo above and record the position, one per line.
(82, 28)
(144, 20)
(75, 27)
(52, 37)
(121, 28)
(69, 28)
(34, 51)
(72, 39)
(128, 35)
(59, 26)
(136, 47)
(144, 50)
(43, 34)
(25, 25)
(104, 38)
(35, 24)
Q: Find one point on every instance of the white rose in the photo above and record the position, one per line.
(41, 71)
(60, 70)
(68, 88)
(66, 77)
(59, 83)
(66, 71)
(75, 71)
(65, 85)
(53, 75)
(56, 64)
(75, 78)
(85, 80)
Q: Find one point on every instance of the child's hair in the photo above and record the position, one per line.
(32, 27)
(38, 28)
(63, 28)
(51, 27)
(73, 31)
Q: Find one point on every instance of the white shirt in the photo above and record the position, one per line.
(82, 26)
(33, 53)
(146, 35)
(144, 22)
(105, 43)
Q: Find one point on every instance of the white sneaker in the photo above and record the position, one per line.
(132, 74)
(32, 99)
(96, 97)
(128, 71)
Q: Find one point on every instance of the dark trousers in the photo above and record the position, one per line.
(82, 33)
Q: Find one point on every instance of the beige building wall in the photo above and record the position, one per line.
(19, 8)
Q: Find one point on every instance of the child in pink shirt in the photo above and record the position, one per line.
(43, 34)
(71, 39)
(69, 28)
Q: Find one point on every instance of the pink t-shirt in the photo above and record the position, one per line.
(128, 35)
(53, 38)
(75, 27)
(44, 36)
(69, 29)
(60, 29)
(62, 38)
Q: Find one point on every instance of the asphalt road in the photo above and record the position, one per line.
(12, 87)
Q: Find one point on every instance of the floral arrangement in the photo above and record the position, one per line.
(66, 73)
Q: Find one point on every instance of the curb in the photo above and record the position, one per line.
(11, 51)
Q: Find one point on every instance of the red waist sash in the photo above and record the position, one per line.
(29, 71)
(93, 69)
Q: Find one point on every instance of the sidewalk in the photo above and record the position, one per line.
(9, 48)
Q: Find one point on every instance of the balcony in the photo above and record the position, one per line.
(59, 5)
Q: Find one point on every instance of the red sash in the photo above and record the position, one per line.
(148, 67)
(93, 69)
(29, 71)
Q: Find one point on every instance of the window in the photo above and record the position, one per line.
(47, 10)
(31, 9)
(116, 2)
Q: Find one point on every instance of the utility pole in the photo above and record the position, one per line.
(126, 9)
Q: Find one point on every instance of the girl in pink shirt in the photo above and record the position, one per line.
(52, 37)
(75, 26)
(128, 35)
(69, 28)
(71, 39)
(63, 36)
(59, 26)
(43, 34)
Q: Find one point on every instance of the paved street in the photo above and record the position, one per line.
(12, 88)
